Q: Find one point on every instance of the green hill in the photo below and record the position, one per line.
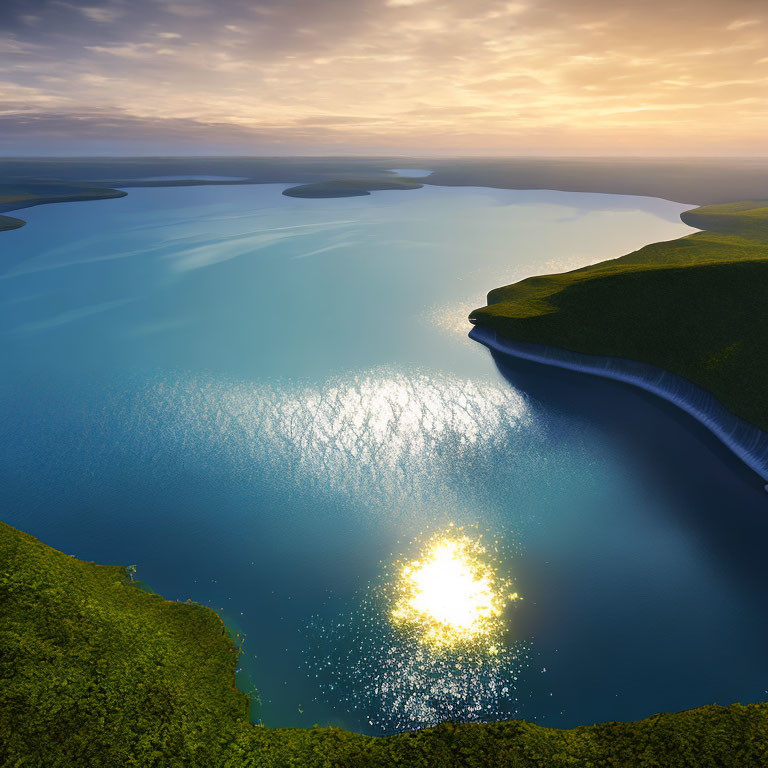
(95, 671)
(694, 306)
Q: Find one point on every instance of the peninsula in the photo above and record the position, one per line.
(692, 307)
(9, 222)
(15, 195)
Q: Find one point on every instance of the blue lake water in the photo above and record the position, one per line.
(261, 401)
(199, 177)
(411, 173)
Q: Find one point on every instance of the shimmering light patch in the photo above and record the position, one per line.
(361, 663)
(451, 595)
(378, 434)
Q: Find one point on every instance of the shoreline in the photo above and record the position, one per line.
(746, 441)
(25, 200)
(8, 223)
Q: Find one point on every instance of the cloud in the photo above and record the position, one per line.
(472, 75)
(102, 14)
(14, 97)
(190, 9)
(131, 50)
(10, 46)
(742, 24)
(338, 120)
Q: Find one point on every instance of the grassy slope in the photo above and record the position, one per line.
(694, 306)
(96, 672)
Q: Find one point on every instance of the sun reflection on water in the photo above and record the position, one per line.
(451, 595)
(395, 443)
(380, 434)
(429, 643)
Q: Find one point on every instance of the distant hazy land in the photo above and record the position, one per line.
(702, 181)
(16, 194)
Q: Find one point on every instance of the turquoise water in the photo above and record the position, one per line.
(261, 401)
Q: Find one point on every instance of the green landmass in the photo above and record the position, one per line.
(8, 222)
(694, 306)
(95, 671)
(350, 187)
(25, 194)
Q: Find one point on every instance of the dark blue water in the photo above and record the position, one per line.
(261, 401)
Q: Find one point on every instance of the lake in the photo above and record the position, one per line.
(264, 402)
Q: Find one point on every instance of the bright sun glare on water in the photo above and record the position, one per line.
(429, 641)
(451, 595)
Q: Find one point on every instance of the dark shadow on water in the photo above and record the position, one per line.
(653, 624)
(718, 499)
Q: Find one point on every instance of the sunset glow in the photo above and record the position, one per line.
(387, 76)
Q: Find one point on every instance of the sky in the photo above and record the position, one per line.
(430, 77)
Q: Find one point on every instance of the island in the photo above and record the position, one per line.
(350, 187)
(686, 319)
(96, 671)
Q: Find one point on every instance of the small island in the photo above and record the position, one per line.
(350, 187)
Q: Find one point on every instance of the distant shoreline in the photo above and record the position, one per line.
(30, 181)
(33, 195)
